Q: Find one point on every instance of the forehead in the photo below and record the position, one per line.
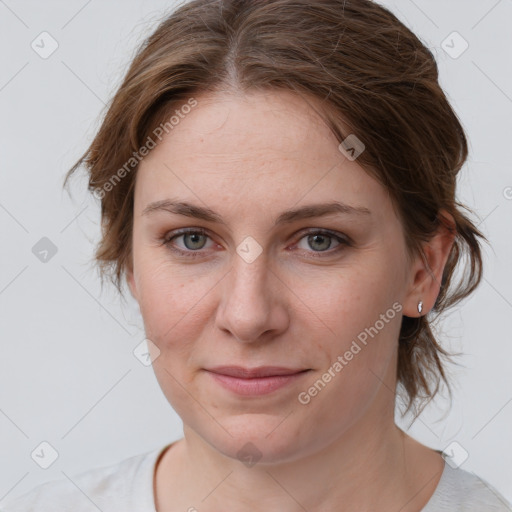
(257, 123)
(263, 146)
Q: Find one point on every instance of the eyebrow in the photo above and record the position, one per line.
(289, 216)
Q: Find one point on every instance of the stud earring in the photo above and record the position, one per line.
(420, 306)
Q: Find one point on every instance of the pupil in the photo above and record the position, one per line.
(314, 238)
(195, 238)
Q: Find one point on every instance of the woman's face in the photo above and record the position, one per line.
(259, 286)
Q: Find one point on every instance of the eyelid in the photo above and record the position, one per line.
(342, 239)
(169, 237)
(323, 231)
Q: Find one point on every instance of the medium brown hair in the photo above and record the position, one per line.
(370, 74)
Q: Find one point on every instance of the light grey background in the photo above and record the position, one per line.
(68, 375)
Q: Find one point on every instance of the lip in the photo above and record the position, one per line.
(250, 373)
(255, 381)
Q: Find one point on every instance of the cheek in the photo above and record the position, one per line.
(363, 319)
(170, 302)
(177, 306)
(347, 304)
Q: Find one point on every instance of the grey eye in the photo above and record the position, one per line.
(193, 241)
(318, 242)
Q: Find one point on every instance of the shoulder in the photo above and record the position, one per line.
(126, 486)
(460, 490)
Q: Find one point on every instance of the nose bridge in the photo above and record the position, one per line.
(248, 282)
(248, 308)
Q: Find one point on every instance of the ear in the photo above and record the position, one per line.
(130, 279)
(427, 273)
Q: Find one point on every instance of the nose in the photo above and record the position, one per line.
(253, 305)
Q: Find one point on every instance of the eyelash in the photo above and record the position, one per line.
(344, 241)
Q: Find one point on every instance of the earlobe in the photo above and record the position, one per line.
(428, 269)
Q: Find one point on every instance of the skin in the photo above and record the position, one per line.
(249, 158)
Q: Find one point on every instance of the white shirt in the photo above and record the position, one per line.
(128, 487)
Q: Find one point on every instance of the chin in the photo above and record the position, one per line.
(259, 438)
